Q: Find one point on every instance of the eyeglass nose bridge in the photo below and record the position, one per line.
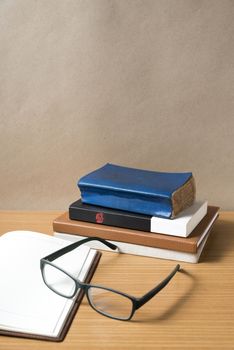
(84, 287)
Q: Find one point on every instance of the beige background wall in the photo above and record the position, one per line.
(147, 84)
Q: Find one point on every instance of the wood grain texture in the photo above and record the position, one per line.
(195, 311)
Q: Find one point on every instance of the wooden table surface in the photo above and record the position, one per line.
(195, 310)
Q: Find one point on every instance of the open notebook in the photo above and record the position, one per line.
(28, 308)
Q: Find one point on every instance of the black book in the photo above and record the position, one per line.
(111, 217)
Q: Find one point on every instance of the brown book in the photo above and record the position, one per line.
(189, 244)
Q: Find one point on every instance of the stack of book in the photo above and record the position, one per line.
(143, 212)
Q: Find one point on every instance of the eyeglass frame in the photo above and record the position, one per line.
(136, 302)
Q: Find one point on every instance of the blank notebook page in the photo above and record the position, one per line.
(26, 303)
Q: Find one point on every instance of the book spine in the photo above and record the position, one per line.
(140, 250)
(124, 235)
(103, 217)
(136, 203)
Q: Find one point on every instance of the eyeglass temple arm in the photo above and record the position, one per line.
(75, 245)
(141, 301)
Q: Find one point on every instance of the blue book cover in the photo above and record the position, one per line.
(136, 190)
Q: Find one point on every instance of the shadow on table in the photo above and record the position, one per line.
(220, 243)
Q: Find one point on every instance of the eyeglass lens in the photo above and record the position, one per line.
(107, 302)
(58, 280)
(110, 303)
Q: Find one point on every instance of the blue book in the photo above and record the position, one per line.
(140, 191)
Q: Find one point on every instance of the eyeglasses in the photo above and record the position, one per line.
(106, 301)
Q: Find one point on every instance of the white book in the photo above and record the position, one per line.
(27, 305)
(141, 250)
(183, 224)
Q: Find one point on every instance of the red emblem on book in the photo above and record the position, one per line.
(99, 218)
